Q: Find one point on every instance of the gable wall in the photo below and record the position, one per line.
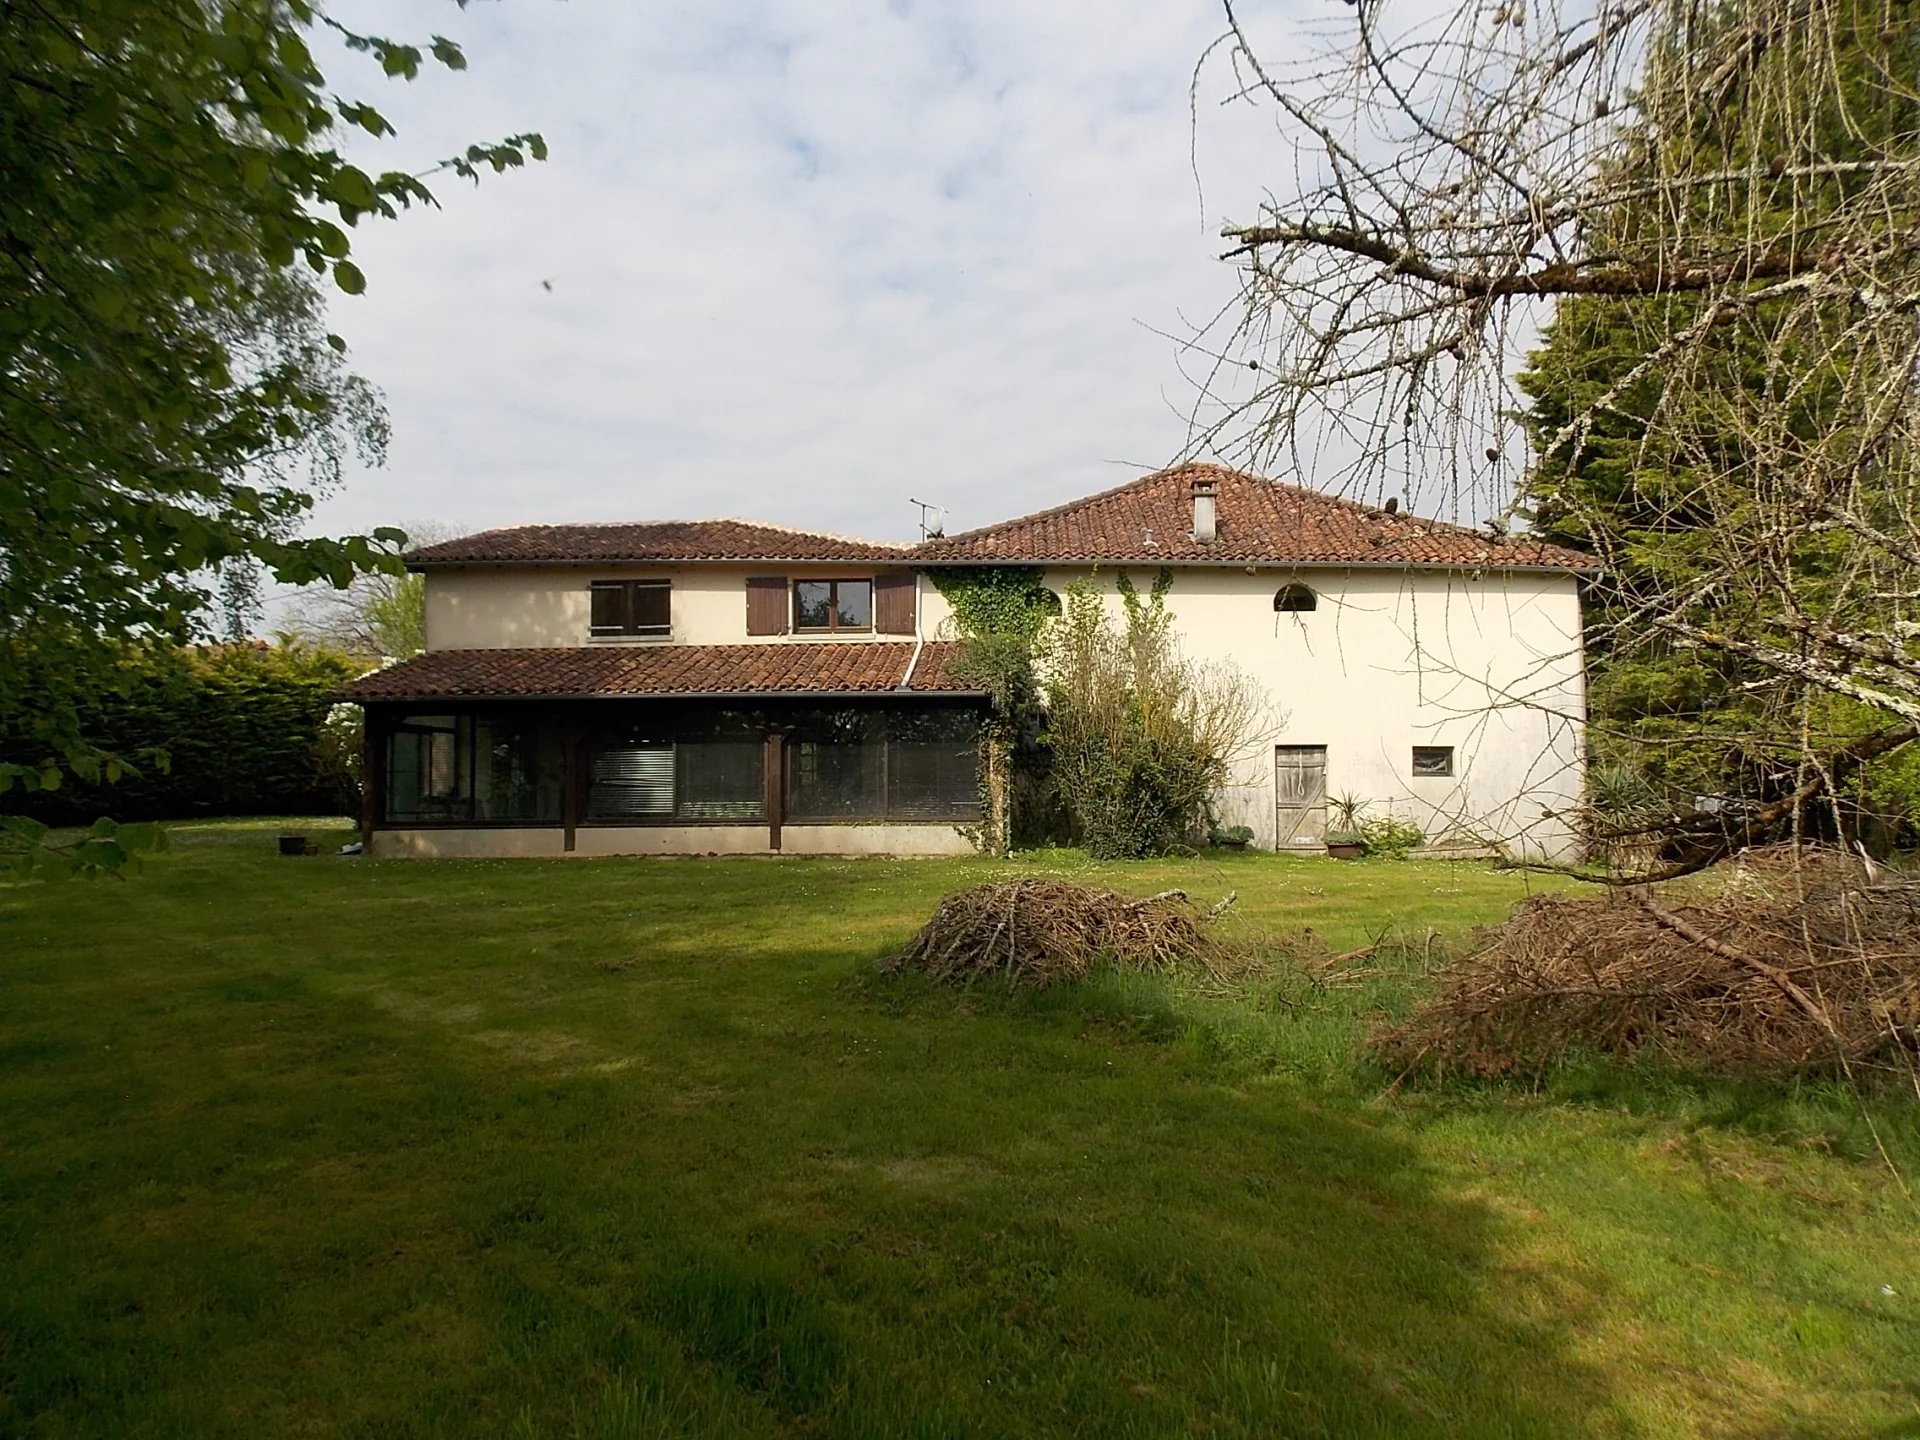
(1390, 659)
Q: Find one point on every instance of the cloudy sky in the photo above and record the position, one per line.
(807, 258)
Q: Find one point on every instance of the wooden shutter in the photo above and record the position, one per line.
(766, 605)
(893, 604)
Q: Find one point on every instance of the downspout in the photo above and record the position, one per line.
(919, 637)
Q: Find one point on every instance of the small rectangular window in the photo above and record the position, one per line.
(1432, 761)
(631, 607)
(833, 605)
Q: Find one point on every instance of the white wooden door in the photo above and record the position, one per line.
(1299, 795)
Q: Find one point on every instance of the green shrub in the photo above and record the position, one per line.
(1141, 737)
(1390, 836)
(245, 729)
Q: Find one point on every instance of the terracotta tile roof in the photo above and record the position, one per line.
(1260, 521)
(659, 540)
(785, 668)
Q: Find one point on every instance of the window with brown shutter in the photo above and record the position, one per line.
(631, 607)
(766, 605)
(832, 605)
(893, 604)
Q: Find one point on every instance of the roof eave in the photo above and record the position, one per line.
(546, 563)
(1241, 563)
(891, 690)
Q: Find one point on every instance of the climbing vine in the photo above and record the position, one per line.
(1001, 614)
(997, 600)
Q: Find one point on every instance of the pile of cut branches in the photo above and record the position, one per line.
(1043, 932)
(1774, 966)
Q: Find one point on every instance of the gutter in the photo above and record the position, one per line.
(919, 637)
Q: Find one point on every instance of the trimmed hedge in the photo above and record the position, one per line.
(243, 730)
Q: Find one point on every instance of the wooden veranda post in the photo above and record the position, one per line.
(373, 773)
(776, 786)
(573, 783)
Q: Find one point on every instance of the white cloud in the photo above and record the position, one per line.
(807, 258)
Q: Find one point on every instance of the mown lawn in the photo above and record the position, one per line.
(624, 1148)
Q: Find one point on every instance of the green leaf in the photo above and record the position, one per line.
(399, 59)
(332, 239)
(347, 276)
(448, 53)
(22, 829)
(50, 778)
(351, 186)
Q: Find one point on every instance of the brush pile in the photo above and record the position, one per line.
(1781, 963)
(1044, 932)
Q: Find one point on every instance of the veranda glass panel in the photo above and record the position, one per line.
(518, 770)
(836, 767)
(453, 769)
(678, 763)
(722, 779)
(933, 765)
(632, 780)
(421, 771)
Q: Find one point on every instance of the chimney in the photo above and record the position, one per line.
(1205, 527)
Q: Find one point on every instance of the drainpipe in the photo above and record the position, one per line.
(919, 636)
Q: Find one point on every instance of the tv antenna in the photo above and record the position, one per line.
(933, 519)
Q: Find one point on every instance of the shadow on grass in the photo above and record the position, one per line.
(273, 1165)
(289, 1206)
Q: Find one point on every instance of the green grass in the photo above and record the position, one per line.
(639, 1148)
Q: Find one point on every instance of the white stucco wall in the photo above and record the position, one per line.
(531, 606)
(1490, 664)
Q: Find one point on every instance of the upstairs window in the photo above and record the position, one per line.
(832, 605)
(1432, 761)
(632, 607)
(1294, 600)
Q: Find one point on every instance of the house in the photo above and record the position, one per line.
(731, 687)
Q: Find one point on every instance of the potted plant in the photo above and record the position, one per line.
(1344, 839)
(1233, 837)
